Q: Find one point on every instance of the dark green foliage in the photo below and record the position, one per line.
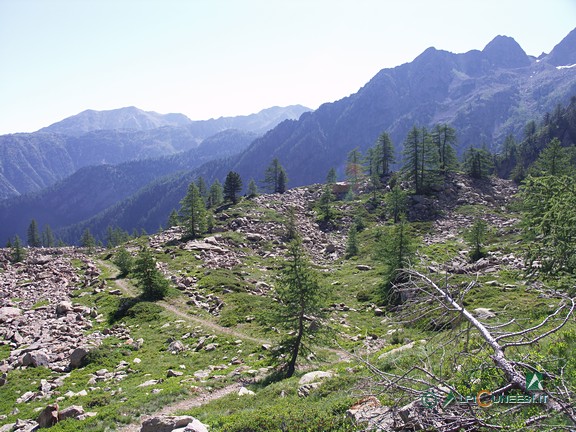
(420, 160)
(173, 219)
(396, 202)
(252, 189)
(18, 253)
(48, 237)
(216, 195)
(300, 296)
(352, 243)
(87, 240)
(383, 155)
(275, 177)
(232, 187)
(554, 160)
(444, 138)
(549, 222)
(291, 226)
(331, 177)
(397, 251)
(193, 212)
(202, 189)
(325, 211)
(152, 283)
(116, 236)
(124, 261)
(476, 238)
(478, 163)
(33, 234)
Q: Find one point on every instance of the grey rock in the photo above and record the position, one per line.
(165, 423)
(77, 357)
(315, 376)
(74, 411)
(8, 313)
(48, 417)
(64, 308)
(35, 359)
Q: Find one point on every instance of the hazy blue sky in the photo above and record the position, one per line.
(211, 58)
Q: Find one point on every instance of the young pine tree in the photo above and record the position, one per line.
(216, 194)
(232, 187)
(331, 177)
(173, 219)
(18, 253)
(352, 243)
(48, 237)
(300, 297)
(384, 154)
(275, 177)
(87, 240)
(153, 285)
(193, 212)
(476, 238)
(252, 189)
(444, 139)
(396, 203)
(124, 261)
(33, 234)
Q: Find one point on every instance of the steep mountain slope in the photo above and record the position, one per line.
(485, 95)
(30, 162)
(93, 189)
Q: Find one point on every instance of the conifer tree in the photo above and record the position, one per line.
(154, 286)
(421, 160)
(48, 237)
(331, 177)
(554, 160)
(275, 177)
(397, 251)
(202, 189)
(173, 219)
(87, 240)
(216, 195)
(33, 234)
(300, 298)
(478, 163)
(252, 189)
(476, 238)
(444, 138)
(124, 261)
(18, 253)
(324, 204)
(384, 154)
(232, 187)
(396, 203)
(354, 168)
(193, 212)
(352, 243)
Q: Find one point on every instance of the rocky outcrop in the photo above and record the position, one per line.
(173, 423)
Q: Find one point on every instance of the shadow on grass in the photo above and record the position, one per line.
(138, 308)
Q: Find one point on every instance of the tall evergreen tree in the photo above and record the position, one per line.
(301, 297)
(275, 177)
(193, 212)
(202, 189)
(216, 194)
(352, 243)
(421, 160)
(33, 234)
(554, 160)
(384, 154)
(48, 237)
(396, 203)
(444, 138)
(354, 167)
(232, 187)
(124, 261)
(476, 238)
(87, 240)
(478, 162)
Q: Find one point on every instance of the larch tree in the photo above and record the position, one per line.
(216, 194)
(33, 234)
(384, 153)
(275, 177)
(152, 283)
(301, 299)
(193, 212)
(331, 177)
(252, 189)
(232, 187)
(444, 138)
(354, 167)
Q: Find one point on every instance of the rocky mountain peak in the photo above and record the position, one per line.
(505, 52)
(564, 54)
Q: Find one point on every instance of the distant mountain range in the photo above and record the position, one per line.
(486, 95)
(32, 161)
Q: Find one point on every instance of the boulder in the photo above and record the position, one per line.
(483, 313)
(48, 417)
(363, 267)
(77, 357)
(35, 359)
(165, 423)
(245, 392)
(315, 376)
(64, 308)
(8, 313)
(176, 347)
(74, 411)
